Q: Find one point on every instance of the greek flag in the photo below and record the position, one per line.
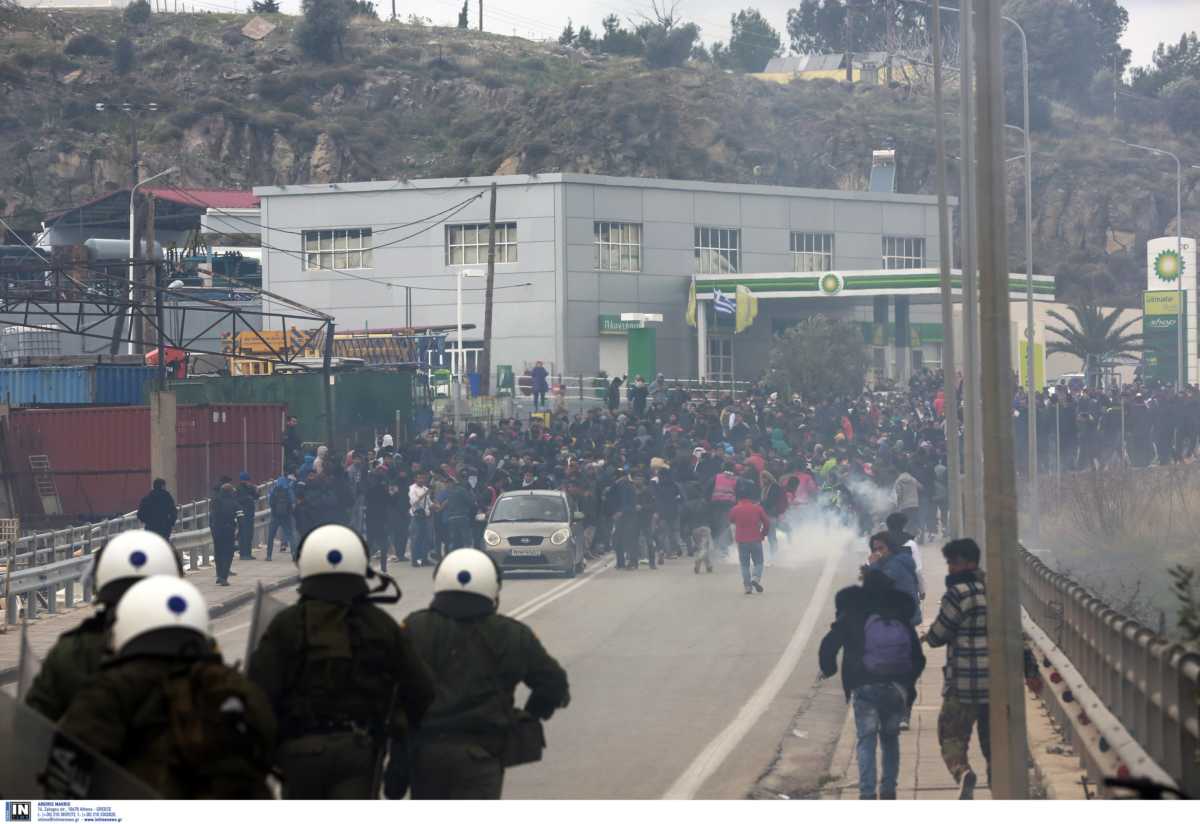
(723, 305)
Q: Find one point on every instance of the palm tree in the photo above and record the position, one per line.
(1096, 338)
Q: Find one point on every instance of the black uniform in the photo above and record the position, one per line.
(339, 673)
(168, 711)
(478, 657)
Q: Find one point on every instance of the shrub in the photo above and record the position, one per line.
(232, 38)
(138, 12)
(87, 44)
(11, 74)
(180, 45)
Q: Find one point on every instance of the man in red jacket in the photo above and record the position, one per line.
(750, 526)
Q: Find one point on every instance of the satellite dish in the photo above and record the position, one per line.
(175, 284)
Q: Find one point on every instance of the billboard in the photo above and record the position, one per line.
(1160, 322)
(1171, 266)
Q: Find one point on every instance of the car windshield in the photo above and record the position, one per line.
(530, 508)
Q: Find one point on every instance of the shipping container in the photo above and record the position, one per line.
(365, 402)
(99, 457)
(104, 384)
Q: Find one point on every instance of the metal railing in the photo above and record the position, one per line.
(1150, 684)
(40, 567)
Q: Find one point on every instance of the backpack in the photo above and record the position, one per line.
(213, 738)
(280, 502)
(887, 647)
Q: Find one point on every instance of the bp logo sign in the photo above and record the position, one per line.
(831, 284)
(1168, 266)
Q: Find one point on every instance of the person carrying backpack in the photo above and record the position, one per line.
(340, 673)
(165, 708)
(282, 503)
(881, 662)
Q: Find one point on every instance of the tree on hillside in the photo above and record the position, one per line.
(586, 39)
(821, 358)
(1069, 42)
(464, 22)
(1095, 337)
(754, 41)
(666, 42)
(1171, 63)
(138, 12)
(1183, 100)
(265, 6)
(321, 33)
(568, 36)
(822, 25)
(618, 40)
(362, 8)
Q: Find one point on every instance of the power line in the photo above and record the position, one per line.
(258, 224)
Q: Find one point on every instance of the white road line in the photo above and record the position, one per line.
(550, 596)
(228, 630)
(713, 755)
(523, 611)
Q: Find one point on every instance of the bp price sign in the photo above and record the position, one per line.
(1160, 324)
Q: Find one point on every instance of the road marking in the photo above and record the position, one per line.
(551, 595)
(228, 630)
(524, 610)
(713, 755)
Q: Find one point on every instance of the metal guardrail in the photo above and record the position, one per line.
(1150, 685)
(61, 560)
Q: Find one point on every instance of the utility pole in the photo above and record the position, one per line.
(485, 358)
(327, 381)
(949, 383)
(1005, 649)
(973, 516)
(481, 15)
(148, 276)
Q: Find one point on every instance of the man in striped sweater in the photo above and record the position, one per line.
(961, 625)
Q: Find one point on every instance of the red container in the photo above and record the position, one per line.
(99, 457)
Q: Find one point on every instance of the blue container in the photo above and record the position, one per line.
(474, 382)
(102, 383)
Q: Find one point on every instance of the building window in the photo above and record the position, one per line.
(337, 249)
(720, 360)
(618, 246)
(718, 250)
(812, 251)
(467, 243)
(904, 253)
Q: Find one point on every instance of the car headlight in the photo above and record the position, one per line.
(560, 537)
(491, 538)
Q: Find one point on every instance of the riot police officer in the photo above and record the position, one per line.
(165, 708)
(472, 731)
(75, 658)
(338, 671)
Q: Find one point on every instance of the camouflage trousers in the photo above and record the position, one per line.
(955, 722)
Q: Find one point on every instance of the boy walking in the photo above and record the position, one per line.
(881, 662)
(961, 625)
(750, 527)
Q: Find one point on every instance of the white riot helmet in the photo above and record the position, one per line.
(332, 549)
(468, 570)
(159, 602)
(137, 553)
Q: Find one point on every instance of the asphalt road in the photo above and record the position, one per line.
(682, 686)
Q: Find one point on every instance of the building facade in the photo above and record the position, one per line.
(576, 252)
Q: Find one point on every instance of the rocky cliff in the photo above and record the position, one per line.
(411, 102)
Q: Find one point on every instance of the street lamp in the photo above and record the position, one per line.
(1181, 366)
(458, 362)
(133, 250)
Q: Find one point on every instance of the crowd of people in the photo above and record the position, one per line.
(654, 479)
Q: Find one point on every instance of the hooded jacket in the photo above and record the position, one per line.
(847, 633)
(900, 567)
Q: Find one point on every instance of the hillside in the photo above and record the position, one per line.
(412, 102)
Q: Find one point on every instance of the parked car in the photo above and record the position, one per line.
(535, 530)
